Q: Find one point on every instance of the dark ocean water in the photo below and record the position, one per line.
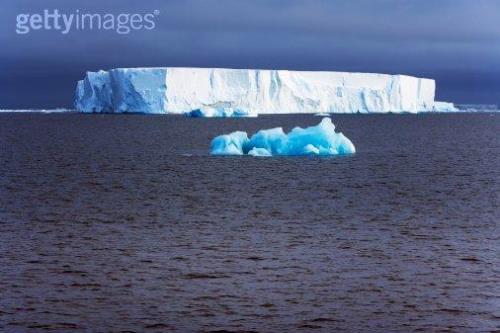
(120, 223)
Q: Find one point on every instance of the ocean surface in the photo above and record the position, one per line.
(124, 223)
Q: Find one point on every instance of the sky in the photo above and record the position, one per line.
(455, 42)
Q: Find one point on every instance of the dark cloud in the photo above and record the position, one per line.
(456, 42)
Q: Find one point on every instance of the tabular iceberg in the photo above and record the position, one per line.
(315, 140)
(182, 90)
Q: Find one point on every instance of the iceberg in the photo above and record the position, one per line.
(444, 107)
(477, 107)
(180, 90)
(211, 112)
(315, 140)
(235, 143)
(56, 110)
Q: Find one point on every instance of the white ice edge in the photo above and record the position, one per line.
(178, 90)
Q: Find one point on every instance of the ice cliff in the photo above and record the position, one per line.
(182, 90)
(315, 140)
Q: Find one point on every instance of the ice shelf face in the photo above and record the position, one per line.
(181, 90)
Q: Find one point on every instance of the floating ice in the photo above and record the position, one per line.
(477, 107)
(444, 107)
(181, 90)
(230, 144)
(220, 112)
(315, 140)
(57, 110)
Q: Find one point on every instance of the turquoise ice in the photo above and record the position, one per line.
(315, 140)
(230, 144)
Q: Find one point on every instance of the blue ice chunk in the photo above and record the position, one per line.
(230, 144)
(273, 140)
(318, 140)
(309, 149)
(241, 112)
(315, 140)
(220, 112)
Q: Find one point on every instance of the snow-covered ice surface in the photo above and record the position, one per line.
(220, 112)
(315, 140)
(182, 90)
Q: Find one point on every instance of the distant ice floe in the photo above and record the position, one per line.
(477, 107)
(444, 107)
(220, 112)
(315, 140)
(57, 110)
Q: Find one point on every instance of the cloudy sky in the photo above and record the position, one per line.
(456, 42)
